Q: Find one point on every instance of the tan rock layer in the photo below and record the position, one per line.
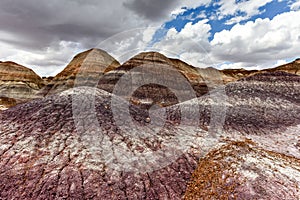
(85, 67)
(161, 66)
(18, 82)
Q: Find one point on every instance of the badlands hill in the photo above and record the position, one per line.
(17, 84)
(96, 67)
(293, 67)
(156, 78)
(86, 67)
(69, 145)
(230, 75)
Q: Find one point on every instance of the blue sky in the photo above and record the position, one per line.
(270, 10)
(208, 11)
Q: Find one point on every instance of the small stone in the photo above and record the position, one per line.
(148, 120)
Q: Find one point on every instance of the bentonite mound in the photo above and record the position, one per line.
(96, 66)
(231, 75)
(293, 68)
(43, 156)
(155, 67)
(17, 84)
(267, 101)
(88, 65)
(254, 105)
(50, 147)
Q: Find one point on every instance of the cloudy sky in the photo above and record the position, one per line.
(253, 34)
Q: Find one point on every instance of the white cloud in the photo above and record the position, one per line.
(295, 5)
(249, 8)
(126, 44)
(259, 42)
(227, 65)
(193, 3)
(251, 66)
(235, 20)
(190, 44)
(177, 11)
(230, 7)
(48, 62)
(280, 62)
(185, 5)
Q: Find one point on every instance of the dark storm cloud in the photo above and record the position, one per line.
(41, 23)
(42, 32)
(152, 10)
